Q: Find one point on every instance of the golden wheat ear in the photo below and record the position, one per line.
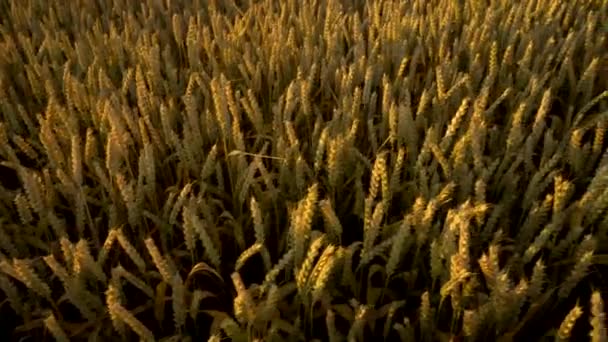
(405, 170)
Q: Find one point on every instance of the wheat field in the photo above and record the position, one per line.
(303, 170)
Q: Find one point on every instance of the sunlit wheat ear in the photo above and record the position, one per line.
(243, 303)
(565, 329)
(257, 114)
(107, 245)
(599, 138)
(28, 276)
(291, 99)
(320, 150)
(113, 294)
(464, 244)
(303, 271)
(55, 328)
(355, 332)
(49, 141)
(221, 106)
(215, 338)
(159, 261)
(379, 176)
(489, 266)
(247, 254)
(230, 327)
(443, 161)
(300, 229)
(149, 164)
(335, 158)
(305, 90)
(57, 268)
(33, 188)
(599, 332)
(323, 271)
(459, 276)
(128, 318)
(76, 160)
(86, 262)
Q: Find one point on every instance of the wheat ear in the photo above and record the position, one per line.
(323, 271)
(28, 276)
(303, 271)
(127, 317)
(159, 261)
(563, 333)
(598, 318)
(51, 323)
(180, 311)
(130, 250)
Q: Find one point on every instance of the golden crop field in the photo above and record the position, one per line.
(303, 170)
